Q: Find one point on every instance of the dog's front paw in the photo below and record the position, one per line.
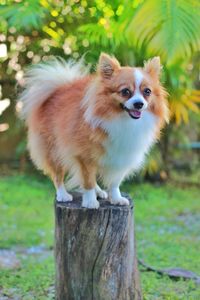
(119, 201)
(62, 195)
(90, 200)
(90, 204)
(101, 194)
(64, 198)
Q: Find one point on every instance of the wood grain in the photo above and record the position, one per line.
(95, 252)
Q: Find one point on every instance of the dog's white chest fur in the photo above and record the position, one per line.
(128, 142)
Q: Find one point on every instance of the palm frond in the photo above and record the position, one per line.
(23, 15)
(180, 107)
(170, 28)
(105, 33)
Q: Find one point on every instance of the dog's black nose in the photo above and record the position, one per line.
(138, 105)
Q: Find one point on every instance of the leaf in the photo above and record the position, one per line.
(98, 33)
(23, 15)
(192, 106)
(182, 103)
(173, 273)
(171, 28)
(195, 96)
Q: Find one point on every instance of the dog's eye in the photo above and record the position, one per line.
(126, 92)
(147, 92)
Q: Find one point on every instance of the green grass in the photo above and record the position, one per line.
(33, 280)
(167, 227)
(168, 235)
(26, 206)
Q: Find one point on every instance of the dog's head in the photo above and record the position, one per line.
(129, 90)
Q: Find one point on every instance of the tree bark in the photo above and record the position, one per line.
(95, 252)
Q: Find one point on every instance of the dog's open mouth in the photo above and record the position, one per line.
(133, 113)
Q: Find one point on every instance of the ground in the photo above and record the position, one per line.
(167, 221)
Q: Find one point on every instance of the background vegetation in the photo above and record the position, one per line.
(167, 216)
(32, 31)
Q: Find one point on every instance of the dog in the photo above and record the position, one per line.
(92, 125)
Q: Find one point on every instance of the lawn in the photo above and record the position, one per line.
(167, 227)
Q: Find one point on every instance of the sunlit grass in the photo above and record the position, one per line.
(34, 280)
(26, 206)
(167, 222)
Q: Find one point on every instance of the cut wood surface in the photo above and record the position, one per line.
(95, 252)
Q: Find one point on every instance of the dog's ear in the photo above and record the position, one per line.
(153, 66)
(107, 65)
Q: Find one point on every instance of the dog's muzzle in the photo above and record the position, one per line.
(133, 113)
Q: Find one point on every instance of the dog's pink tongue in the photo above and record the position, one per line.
(135, 113)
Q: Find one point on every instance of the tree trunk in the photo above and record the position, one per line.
(95, 252)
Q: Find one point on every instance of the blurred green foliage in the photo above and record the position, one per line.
(34, 30)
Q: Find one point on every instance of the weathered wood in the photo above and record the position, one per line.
(95, 252)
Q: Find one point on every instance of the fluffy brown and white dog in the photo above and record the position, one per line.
(90, 125)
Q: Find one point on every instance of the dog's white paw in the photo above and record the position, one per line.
(119, 201)
(90, 204)
(101, 193)
(90, 200)
(62, 195)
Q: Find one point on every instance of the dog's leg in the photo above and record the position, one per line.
(115, 196)
(90, 199)
(88, 173)
(101, 193)
(61, 194)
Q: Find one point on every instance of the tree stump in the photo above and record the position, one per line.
(95, 252)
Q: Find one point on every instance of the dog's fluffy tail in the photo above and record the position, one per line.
(43, 79)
